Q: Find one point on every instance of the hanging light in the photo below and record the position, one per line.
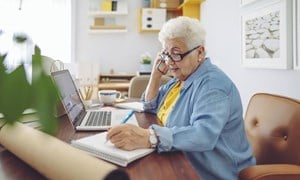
(20, 5)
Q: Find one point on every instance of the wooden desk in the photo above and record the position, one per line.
(156, 166)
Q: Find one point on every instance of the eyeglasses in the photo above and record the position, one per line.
(175, 57)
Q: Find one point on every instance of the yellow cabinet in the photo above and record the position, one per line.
(152, 19)
(191, 8)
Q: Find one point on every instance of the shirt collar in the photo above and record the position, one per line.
(202, 69)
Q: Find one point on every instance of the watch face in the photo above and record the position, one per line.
(153, 140)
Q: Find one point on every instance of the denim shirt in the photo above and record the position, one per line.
(206, 124)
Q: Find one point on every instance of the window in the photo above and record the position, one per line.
(46, 22)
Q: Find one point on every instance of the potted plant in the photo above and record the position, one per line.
(145, 62)
(18, 93)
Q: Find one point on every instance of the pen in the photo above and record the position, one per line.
(127, 117)
(107, 139)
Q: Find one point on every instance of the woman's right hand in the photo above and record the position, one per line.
(158, 70)
(160, 67)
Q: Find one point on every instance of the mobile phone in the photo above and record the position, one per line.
(162, 67)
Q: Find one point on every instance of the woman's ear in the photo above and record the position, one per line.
(202, 49)
(201, 52)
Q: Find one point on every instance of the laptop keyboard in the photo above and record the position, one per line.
(99, 118)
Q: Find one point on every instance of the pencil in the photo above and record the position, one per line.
(127, 117)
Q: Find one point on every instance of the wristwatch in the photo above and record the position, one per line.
(153, 139)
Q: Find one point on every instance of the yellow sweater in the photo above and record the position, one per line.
(168, 104)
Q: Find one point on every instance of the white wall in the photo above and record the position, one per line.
(223, 25)
(222, 19)
(118, 51)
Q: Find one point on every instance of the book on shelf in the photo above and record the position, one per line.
(114, 5)
(106, 5)
(97, 146)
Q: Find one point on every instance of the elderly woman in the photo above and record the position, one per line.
(199, 109)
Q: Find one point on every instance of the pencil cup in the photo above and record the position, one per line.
(87, 103)
(108, 97)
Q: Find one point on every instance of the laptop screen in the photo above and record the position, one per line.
(69, 95)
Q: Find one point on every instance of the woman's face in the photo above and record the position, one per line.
(184, 68)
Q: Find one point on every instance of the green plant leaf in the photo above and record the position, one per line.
(2, 67)
(14, 95)
(45, 97)
(17, 94)
(44, 94)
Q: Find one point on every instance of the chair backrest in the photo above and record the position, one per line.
(138, 85)
(272, 125)
(49, 64)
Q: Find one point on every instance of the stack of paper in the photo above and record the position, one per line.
(136, 106)
(96, 145)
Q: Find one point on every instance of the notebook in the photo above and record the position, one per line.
(136, 106)
(97, 146)
(81, 118)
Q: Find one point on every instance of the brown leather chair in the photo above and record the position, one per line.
(272, 125)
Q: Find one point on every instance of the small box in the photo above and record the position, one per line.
(98, 21)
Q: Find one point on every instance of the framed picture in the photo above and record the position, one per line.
(267, 36)
(296, 33)
(245, 2)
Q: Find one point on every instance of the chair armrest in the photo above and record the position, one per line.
(271, 172)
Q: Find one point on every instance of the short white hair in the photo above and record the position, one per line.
(190, 30)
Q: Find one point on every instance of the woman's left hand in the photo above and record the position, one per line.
(129, 137)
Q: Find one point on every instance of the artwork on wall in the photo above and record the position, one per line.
(245, 2)
(267, 35)
(296, 9)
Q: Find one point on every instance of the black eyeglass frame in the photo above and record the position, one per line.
(164, 55)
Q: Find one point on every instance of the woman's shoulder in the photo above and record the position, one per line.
(213, 78)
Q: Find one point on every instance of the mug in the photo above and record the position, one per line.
(108, 97)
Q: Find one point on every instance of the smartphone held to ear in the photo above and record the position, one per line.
(162, 67)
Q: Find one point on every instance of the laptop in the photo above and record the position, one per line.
(81, 118)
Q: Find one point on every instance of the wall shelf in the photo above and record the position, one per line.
(107, 31)
(108, 18)
(106, 14)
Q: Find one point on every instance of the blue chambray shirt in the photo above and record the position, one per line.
(206, 124)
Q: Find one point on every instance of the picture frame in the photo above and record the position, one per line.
(296, 34)
(246, 2)
(267, 32)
